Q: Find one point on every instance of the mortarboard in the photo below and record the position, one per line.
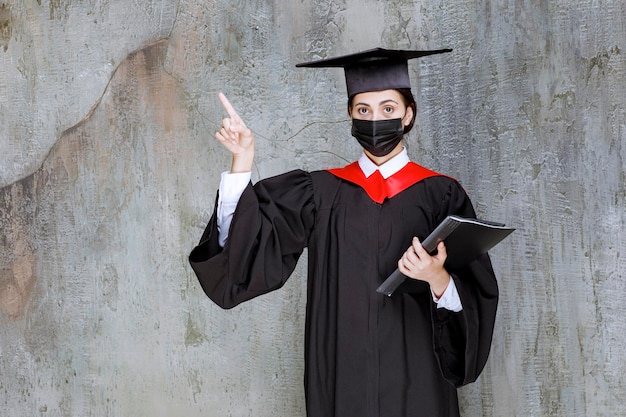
(375, 69)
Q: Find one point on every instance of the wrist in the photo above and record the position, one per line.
(242, 162)
(440, 284)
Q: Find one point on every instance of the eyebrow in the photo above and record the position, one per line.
(380, 104)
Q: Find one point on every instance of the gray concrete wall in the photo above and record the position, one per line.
(108, 173)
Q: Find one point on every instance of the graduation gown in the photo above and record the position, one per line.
(366, 354)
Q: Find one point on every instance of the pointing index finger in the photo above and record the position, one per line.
(228, 107)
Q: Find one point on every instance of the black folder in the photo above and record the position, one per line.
(465, 239)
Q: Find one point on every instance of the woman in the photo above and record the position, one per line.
(365, 354)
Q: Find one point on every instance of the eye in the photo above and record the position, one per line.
(362, 110)
(388, 109)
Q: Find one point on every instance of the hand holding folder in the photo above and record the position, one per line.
(465, 240)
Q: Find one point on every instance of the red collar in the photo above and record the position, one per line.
(378, 188)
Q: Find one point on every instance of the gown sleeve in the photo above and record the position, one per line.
(462, 340)
(269, 232)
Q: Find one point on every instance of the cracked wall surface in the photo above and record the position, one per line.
(108, 174)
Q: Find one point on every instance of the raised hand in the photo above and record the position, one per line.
(236, 137)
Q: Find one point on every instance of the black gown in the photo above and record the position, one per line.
(366, 354)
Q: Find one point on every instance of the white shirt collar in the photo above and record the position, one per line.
(387, 169)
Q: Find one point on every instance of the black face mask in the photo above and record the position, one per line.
(378, 137)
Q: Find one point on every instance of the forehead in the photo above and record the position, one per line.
(375, 98)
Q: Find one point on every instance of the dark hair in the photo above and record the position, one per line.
(409, 101)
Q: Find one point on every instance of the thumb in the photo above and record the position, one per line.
(234, 126)
(442, 252)
(228, 124)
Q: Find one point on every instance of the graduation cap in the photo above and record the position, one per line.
(375, 69)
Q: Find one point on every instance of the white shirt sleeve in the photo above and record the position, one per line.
(231, 188)
(450, 299)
